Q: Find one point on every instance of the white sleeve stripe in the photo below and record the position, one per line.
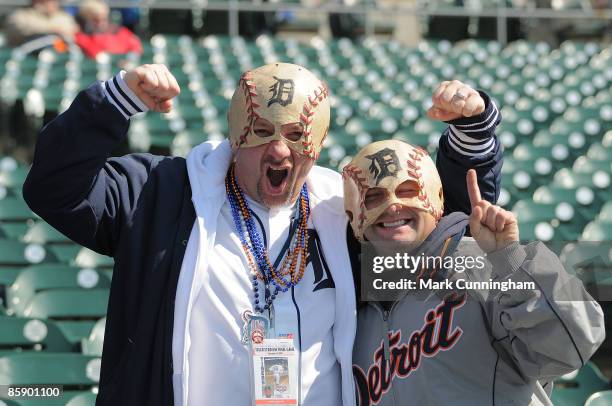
(458, 149)
(489, 125)
(120, 96)
(126, 105)
(465, 138)
(113, 101)
(126, 89)
(486, 120)
(471, 147)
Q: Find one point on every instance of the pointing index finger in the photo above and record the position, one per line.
(472, 187)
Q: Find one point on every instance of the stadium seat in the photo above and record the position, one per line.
(68, 304)
(43, 233)
(69, 369)
(35, 279)
(14, 209)
(22, 334)
(83, 399)
(597, 231)
(605, 214)
(92, 345)
(76, 331)
(589, 261)
(575, 388)
(17, 253)
(602, 398)
(65, 253)
(87, 258)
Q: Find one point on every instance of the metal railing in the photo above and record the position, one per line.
(369, 12)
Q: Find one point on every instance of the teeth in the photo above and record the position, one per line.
(395, 223)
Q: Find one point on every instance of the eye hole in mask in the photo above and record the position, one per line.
(291, 131)
(376, 196)
(407, 190)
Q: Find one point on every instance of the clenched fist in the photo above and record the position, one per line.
(154, 85)
(452, 100)
(492, 227)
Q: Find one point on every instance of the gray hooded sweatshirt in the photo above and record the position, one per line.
(481, 347)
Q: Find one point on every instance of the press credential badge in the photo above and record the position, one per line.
(275, 372)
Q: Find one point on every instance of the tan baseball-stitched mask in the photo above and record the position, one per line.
(281, 93)
(386, 165)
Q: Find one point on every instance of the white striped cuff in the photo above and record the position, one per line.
(122, 97)
(461, 140)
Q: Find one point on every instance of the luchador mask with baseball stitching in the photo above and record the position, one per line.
(386, 165)
(281, 93)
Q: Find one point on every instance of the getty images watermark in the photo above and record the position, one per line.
(390, 271)
(423, 269)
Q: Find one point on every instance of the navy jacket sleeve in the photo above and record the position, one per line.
(74, 186)
(467, 143)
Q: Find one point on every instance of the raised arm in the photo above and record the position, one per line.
(73, 185)
(469, 142)
(547, 331)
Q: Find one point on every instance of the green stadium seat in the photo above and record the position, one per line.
(87, 258)
(588, 261)
(43, 233)
(69, 369)
(602, 398)
(92, 345)
(13, 231)
(68, 304)
(65, 253)
(14, 178)
(35, 279)
(83, 399)
(76, 331)
(597, 231)
(8, 276)
(23, 334)
(17, 253)
(605, 214)
(575, 388)
(15, 209)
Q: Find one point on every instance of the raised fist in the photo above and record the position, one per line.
(452, 100)
(492, 227)
(154, 85)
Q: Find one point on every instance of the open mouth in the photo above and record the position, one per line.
(277, 176)
(277, 179)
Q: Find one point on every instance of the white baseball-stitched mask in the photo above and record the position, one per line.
(281, 93)
(386, 165)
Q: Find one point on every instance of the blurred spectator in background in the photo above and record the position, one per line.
(347, 25)
(44, 17)
(99, 35)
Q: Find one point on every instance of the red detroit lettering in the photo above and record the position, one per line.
(436, 334)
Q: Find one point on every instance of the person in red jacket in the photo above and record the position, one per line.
(99, 35)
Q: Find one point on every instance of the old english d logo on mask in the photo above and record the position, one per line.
(388, 164)
(384, 163)
(280, 93)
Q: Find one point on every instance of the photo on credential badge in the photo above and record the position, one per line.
(275, 377)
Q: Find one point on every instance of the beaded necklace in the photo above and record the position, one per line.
(289, 273)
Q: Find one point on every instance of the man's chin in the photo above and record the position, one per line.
(276, 201)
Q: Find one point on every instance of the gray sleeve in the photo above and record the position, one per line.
(550, 330)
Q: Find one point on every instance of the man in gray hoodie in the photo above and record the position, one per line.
(497, 332)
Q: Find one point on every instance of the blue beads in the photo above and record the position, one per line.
(255, 248)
